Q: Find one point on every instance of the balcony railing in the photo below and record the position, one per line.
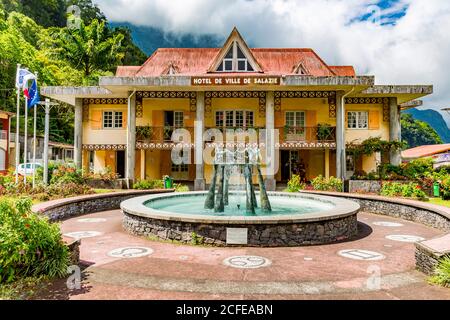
(159, 134)
(286, 134)
(307, 134)
(3, 134)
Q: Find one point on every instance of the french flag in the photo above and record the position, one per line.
(32, 93)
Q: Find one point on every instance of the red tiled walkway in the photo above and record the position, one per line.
(175, 271)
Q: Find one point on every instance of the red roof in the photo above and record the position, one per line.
(425, 151)
(126, 71)
(196, 61)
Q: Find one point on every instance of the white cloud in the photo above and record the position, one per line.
(416, 50)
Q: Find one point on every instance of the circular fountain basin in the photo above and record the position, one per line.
(295, 219)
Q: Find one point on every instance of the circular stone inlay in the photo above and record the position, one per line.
(358, 254)
(387, 224)
(92, 220)
(247, 262)
(404, 238)
(82, 234)
(130, 252)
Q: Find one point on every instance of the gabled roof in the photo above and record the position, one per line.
(202, 61)
(197, 61)
(425, 151)
(234, 36)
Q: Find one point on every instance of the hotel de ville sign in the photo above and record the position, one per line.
(235, 81)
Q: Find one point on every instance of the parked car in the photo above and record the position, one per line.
(28, 168)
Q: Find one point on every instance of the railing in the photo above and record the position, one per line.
(307, 134)
(286, 133)
(159, 134)
(3, 135)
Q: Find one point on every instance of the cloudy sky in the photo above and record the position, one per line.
(398, 41)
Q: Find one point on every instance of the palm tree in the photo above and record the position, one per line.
(91, 48)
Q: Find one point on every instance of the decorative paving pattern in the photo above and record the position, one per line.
(387, 224)
(247, 262)
(83, 234)
(359, 254)
(130, 252)
(91, 220)
(404, 238)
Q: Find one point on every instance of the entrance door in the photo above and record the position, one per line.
(289, 163)
(120, 163)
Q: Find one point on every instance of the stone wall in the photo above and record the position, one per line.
(271, 235)
(62, 209)
(366, 186)
(426, 260)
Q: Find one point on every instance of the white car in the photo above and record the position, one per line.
(28, 168)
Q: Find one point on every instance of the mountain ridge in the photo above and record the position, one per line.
(434, 119)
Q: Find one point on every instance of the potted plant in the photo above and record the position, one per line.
(144, 133)
(324, 132)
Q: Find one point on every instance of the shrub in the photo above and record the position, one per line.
(30, 246)
(442, 273)
(294, 184)
(106, 175)
(148, 184)
(409, 190)
(323, 184)
(181, 188)
(416, 169)
(68, 189)
(445, 188)
(66, 174)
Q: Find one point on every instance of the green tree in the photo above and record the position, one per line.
(418, 133)
(90, 48)
(133, 55)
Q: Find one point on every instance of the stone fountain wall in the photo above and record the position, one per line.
(261, 235)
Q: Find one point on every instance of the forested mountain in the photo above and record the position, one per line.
(149, 38)
(434, 119)
(34, 34)
(417, 133)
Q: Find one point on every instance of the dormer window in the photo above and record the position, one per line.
(171, 70)
(301, 70)
(235, 61)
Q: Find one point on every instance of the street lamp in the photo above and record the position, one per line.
(47, 104)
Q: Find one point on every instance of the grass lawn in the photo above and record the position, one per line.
(439, 201)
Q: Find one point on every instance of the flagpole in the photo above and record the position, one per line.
(34, 147)
(17, 146)
(34, 139)
(25, 142)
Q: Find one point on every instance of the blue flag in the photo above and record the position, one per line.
(33, 95)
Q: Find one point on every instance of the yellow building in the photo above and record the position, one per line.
(126, 123)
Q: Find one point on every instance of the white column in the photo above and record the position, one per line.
(78, 136)
(340, 136)
(200, 182)
(270, 182)
(394, 130)
(131, 140)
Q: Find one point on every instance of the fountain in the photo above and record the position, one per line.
(224, 162)
(217, 216)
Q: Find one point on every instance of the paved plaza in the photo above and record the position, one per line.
(378, 264)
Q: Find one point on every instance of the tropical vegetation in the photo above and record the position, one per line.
(35, 34)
